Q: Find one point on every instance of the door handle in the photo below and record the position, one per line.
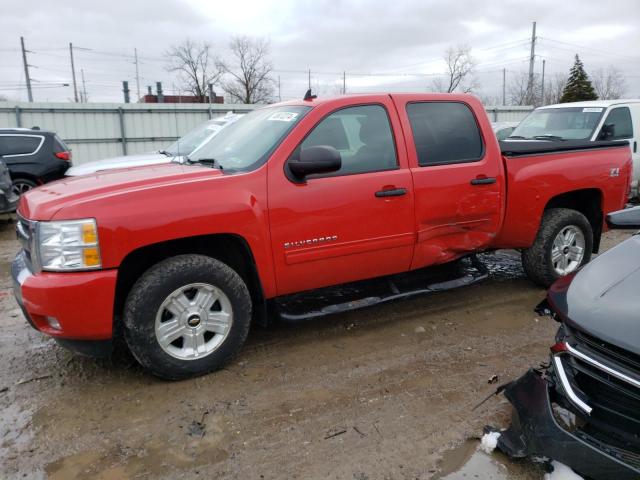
(393, 192)
(483, 181)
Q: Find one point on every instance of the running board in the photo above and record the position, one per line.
(365, 293)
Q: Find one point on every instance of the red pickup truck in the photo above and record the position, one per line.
(293, 197)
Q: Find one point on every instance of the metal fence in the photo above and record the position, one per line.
(101, 130)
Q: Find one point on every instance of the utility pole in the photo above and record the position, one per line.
(84, 86)
(542, 99)
(344, 82)
(135, 54)
(26, 70)
(309, 79)
(531, 62)
(73, 74)
(279, 90)
(504, 87)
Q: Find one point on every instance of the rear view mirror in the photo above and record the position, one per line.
(314, 160)
(608, 131)
(628, 219)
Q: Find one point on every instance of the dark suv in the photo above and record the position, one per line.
(33, 157)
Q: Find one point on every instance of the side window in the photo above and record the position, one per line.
(620, 119)
(361, 134)
(19, 145)
(444, 132)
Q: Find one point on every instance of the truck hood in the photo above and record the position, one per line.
(44, 202)
(601, 299)
(126, 161)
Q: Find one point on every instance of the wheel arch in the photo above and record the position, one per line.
(587, 201)
(231, 249)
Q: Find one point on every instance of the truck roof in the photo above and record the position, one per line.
(594, 103)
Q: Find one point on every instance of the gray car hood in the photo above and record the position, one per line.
(602, 298)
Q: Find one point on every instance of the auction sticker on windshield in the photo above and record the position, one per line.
(283, 117)
(592, 110)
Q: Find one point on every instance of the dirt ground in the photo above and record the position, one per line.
(381, 393)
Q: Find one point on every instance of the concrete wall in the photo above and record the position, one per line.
(101, 130)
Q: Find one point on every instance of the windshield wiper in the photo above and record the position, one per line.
(516, 136)
(204, 161)
(167, 153)
(548, 137)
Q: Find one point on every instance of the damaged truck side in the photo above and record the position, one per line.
(292, 198)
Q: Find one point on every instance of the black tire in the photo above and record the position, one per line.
(22, 185)
(536, 260)
(156, 285)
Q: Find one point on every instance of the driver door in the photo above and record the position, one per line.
(344, 226)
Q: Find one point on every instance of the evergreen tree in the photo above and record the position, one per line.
(578, 87)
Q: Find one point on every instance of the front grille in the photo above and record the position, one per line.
(624, 357)
(25, 230)
(615, 418)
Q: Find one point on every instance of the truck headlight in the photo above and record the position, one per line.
(68, 245)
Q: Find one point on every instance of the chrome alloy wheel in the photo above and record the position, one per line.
(567, 251)
(193, 321)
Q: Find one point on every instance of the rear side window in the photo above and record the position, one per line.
(620, 119)
(58, 145)
(444, 132)
(361, 134)
(19, 144)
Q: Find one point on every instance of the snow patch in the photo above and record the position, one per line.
(561, 472)
(489, 442)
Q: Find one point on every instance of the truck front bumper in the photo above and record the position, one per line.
(534, 431)
(73, 307)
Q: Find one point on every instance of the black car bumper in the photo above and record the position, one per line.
(535, 432)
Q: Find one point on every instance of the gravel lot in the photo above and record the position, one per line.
(385, 392)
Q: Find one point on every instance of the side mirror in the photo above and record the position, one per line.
(628, 219)
(314, 160)
(608, 131)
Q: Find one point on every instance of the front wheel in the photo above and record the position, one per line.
(187, 316)
(564, 243)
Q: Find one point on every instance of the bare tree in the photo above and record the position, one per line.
(459, 74)
(609, 83)
(195, 65)
(4, 98)
(519, 91)
(554, 88)
(248, 75)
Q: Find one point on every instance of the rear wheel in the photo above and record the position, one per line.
(187, 316)
(21, 185)
(564, 243)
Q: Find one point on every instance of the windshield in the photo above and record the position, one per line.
(190, 141)
(571, 123)
(247, 143)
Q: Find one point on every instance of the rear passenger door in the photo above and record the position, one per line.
(457, 176)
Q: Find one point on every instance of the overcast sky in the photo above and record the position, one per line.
(382, 45)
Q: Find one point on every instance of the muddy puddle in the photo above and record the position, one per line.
(469, 461)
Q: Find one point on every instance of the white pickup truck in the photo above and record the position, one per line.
(594, 120)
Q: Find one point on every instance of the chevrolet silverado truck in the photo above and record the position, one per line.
(300, 197)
